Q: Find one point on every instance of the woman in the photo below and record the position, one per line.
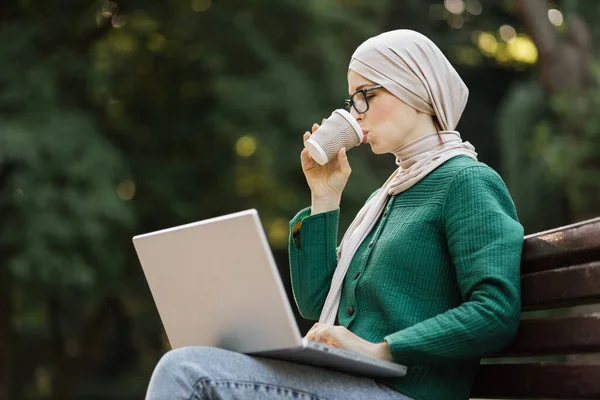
(427, 275)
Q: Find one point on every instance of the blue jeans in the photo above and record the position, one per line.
(203, 373)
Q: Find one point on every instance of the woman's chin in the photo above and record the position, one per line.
(374, 148)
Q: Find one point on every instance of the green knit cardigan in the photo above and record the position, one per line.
(437, 277)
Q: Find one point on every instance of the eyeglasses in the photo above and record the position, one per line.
(359, 100)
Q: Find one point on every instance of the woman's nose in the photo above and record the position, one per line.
(355, 114)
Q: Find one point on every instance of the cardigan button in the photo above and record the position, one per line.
(350, 310)
(357, 275)
(371, 243)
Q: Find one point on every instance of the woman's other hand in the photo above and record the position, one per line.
(339, 336)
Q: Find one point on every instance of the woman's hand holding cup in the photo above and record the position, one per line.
(326, 182)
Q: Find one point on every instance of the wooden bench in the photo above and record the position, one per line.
(552, 355)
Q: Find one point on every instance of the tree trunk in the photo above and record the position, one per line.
(564, 62)
(565, 67)
(6, 342)
(6, 312)
(60, 385)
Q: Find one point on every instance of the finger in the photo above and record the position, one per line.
(329, 335)
(311, 333)
(343, 163)
(336, 338)
(320, 334)
(305, 157)
(315, 127)
(324, 333)
(316, 331)
(323, 121)
(329, 340)
(306, 136)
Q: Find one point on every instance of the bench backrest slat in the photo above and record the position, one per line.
(576, 334)
(538, 381)
(569, 245)
(576, 285)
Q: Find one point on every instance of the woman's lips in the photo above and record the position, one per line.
(365, 134)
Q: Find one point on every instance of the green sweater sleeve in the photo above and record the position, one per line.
(312, 258)
(484, 239)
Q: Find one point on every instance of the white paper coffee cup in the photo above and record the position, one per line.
(339, 130)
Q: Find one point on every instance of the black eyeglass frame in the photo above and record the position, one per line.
(351, 103)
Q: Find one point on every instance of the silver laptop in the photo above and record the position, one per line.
(215, 283)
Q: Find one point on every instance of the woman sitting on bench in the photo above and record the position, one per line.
(427, 275)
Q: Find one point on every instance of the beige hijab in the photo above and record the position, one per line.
(413, 68)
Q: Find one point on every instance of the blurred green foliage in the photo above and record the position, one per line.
(550, 144)
(120, 118)
(570, 148)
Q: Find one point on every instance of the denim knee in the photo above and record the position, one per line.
(184, 359)
(167, 364)
(174, 365)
